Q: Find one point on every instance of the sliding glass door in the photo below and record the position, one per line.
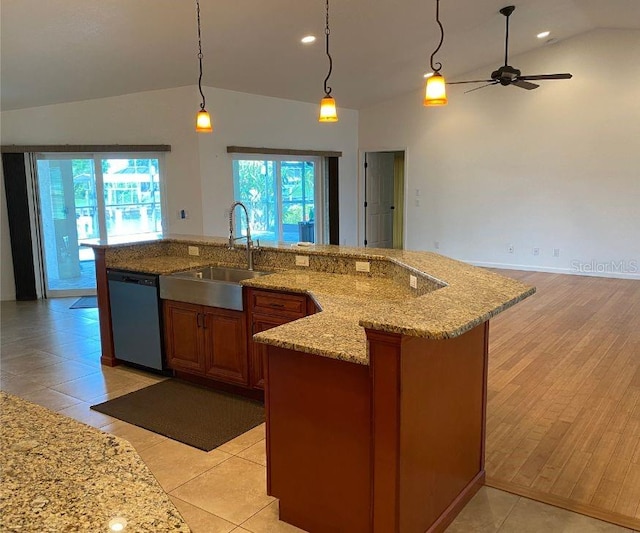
(87, 199)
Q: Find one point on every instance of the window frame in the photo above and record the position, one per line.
(318, 193)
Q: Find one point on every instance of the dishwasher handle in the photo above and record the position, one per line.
(148, 280)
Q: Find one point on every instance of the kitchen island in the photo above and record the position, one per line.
(375, 403)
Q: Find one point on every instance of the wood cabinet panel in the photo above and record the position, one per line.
(183, 341)
(269, 309)
(257, 351)
(225, 334)
(206, 341)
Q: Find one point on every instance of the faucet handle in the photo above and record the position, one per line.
(257, 245)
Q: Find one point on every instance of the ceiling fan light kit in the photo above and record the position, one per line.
(435, 93)
(508, 75)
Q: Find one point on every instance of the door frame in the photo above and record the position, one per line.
(361, 191)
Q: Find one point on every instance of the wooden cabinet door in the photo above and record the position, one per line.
(225, 345)
(183, 340)
(256, 352)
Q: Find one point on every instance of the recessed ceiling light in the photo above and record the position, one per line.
(308, 39)
(543, 34)
(428, 75)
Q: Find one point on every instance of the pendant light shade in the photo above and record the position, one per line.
(203, 119)
(328, 111)
(435, 93)
(203, 122)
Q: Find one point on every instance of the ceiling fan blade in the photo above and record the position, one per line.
(525, 84)
(481, 87)
(470, 81)
(565, 76)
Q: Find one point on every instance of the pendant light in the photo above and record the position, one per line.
(435, 92)
(328, 111)
(203, 120)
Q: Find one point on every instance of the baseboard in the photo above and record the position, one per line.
(565, 503)
(450, 513)
(555, 270)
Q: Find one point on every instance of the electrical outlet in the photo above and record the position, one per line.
(436, 245)
(194, 250)
(302, 260)
(536, 251)
(556, 252)
(413, 281)
(363, 266)
(510, 248)
(417, 202)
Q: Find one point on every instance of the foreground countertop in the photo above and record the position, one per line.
(455, 296)
(61, 475)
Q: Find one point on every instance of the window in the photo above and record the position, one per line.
(281, 195)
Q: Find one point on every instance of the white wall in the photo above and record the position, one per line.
(557, 167)
(155, 117)
(198, 168)
(7, 284)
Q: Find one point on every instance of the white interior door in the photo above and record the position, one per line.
(379, 195)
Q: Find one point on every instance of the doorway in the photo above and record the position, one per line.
(384, 199)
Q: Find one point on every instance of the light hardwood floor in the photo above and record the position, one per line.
(563, 414)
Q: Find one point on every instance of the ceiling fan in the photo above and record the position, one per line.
(506, 74)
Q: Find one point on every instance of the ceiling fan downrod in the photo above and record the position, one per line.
(506, 11)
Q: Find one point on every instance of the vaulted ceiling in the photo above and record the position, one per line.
(65, 50)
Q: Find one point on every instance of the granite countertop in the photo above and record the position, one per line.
(472, 296)
(464, 296)
(62, 475)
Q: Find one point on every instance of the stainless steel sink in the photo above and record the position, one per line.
(212, 286)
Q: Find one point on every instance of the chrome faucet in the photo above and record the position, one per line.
(233, 239)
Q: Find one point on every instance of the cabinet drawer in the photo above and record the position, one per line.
(277, 303)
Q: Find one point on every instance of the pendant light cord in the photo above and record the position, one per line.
(435, 69)
(327, 31)
(200, 56)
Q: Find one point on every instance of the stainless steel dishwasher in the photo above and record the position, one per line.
(136, 319)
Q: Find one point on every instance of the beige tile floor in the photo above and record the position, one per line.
(49, 354)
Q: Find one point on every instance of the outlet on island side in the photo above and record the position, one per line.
(413, 281)
(302, 260)
(194, 250)
(363, 266)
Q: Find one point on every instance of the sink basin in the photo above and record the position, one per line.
(212, 286)
(231, 275)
